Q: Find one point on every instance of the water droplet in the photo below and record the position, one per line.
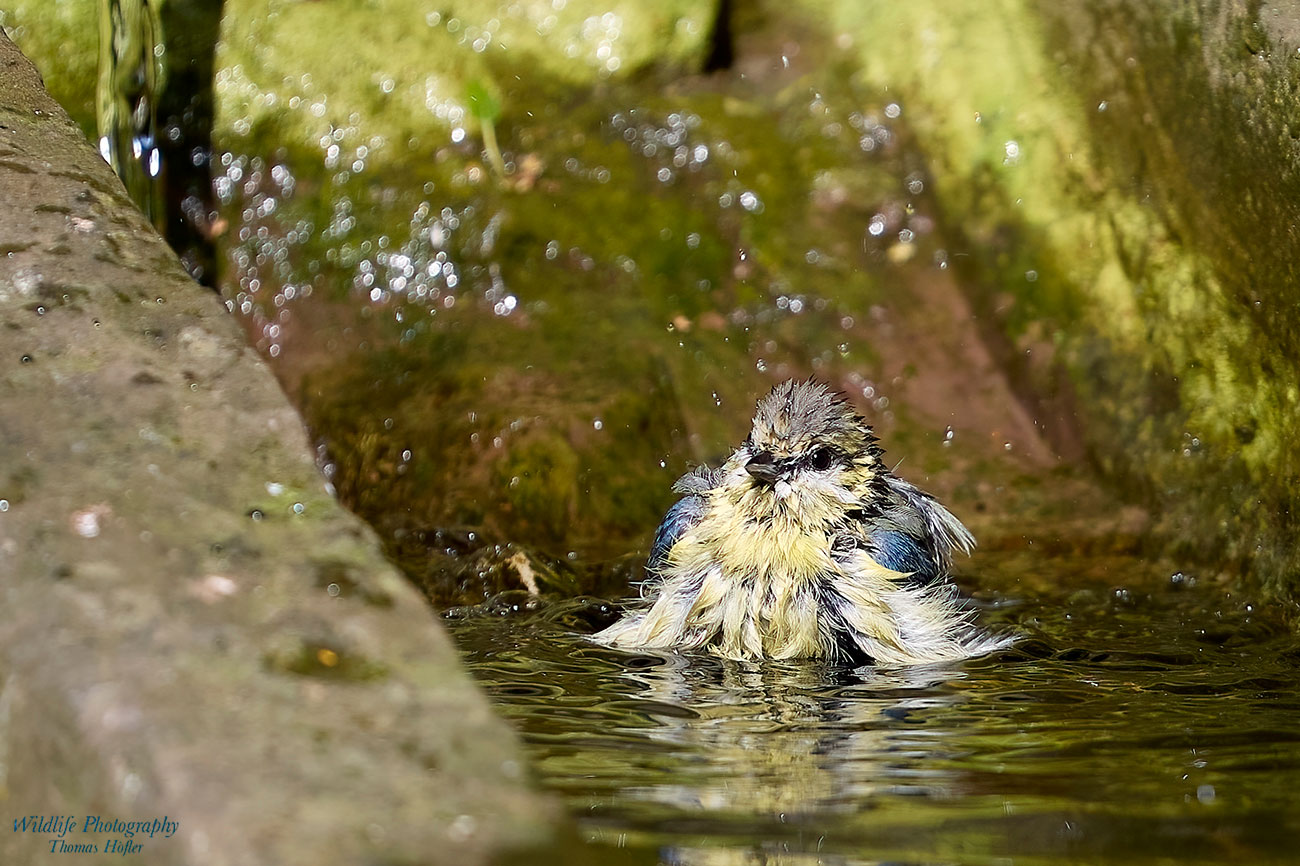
(505, 306)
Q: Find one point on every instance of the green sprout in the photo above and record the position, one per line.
(487, 108)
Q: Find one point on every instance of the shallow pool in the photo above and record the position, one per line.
(1148, 720)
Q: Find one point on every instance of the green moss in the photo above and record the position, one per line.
(62, 39)
(403, 68)
(671, 253)
(1137, 159)
(539, 477)
(327, 662)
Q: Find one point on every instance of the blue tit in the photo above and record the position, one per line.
(804, 544)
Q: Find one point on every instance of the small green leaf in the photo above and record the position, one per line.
(482, 103)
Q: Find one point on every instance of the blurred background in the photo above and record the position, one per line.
(521, 264)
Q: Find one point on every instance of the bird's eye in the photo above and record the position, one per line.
(822, 459)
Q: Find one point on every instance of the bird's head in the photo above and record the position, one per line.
(808, 449)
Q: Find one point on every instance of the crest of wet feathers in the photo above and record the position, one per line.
(804, 544)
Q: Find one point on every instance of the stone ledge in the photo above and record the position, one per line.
(193, 627)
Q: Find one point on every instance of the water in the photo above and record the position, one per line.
(130, 72)
(153, 106)
(1147, 724)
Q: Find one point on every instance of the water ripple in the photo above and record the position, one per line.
(1105, 732)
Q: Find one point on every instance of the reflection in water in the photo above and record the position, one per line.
(779, 741)
(1143, 727)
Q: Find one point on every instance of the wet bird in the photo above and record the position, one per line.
(803, 543)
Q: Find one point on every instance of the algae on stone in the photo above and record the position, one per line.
(1088, 190)
(539, 364)
(403, 68)
(62, 39)
(1124, 178)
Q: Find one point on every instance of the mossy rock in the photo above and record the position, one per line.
(62, 40)
(405, 71)
(539, 362)
(1125, 176)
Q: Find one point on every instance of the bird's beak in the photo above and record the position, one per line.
(763, 466)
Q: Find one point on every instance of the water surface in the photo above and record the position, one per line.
(1145, 720)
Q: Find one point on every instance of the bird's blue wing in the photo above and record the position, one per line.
(901, 552)
(684, 514)
(912, 532)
